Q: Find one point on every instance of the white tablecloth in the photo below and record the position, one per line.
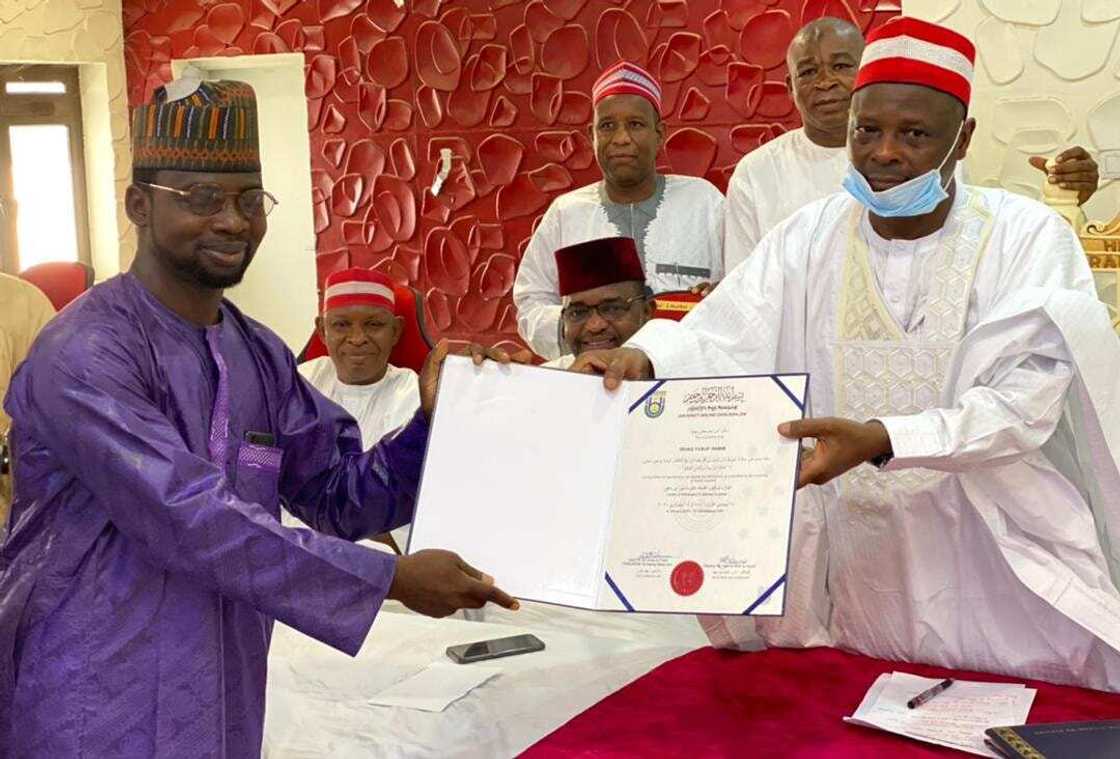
(318, 698)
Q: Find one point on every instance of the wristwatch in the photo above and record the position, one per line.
(882, 459)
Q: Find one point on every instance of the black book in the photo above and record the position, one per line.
(1057, 740)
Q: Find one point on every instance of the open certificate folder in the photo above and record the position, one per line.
(667, 495)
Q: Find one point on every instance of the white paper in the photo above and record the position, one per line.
(517, 477)
(671, 496)
(188, 82)
(435, 687)
(957, 717)
(443, 171)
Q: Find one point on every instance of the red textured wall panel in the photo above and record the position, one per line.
(502, 83)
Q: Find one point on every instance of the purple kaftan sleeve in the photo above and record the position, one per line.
(332, 485)
(92, 407)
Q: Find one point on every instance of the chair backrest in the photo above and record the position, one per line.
(1101, 242)
(674, 305)
(414, 345)
(61, 281)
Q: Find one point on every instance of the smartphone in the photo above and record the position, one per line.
(495, 649)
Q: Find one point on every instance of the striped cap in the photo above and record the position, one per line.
(910, 51)
(359, 287)
(214, 128)
(627, 79)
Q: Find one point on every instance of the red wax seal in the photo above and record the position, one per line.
(687, 577)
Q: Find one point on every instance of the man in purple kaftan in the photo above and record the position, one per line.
(156, 431)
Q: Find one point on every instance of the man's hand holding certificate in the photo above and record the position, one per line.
(664, 495)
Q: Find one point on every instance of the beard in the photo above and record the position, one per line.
(194, 271)
(191, 268)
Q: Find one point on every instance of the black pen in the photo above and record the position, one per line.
(929, 693)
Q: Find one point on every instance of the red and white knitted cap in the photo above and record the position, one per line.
(627, 79)
(359, 287)
(910, 51)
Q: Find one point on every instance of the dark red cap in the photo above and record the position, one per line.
(596, 263)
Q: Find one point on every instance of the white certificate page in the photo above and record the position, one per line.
(518, 477)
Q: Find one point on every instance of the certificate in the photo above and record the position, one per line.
(665, 496)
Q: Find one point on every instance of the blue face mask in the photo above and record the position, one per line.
(914, 197)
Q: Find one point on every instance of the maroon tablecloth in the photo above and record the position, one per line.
(778, 702)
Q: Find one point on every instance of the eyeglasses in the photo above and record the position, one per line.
(209, 199)
(610, 310)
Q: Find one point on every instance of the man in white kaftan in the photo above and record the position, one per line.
(961, 348)
(676, 221)
(360, 328)
(379, 407)
(808, 163)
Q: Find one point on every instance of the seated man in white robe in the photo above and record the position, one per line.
(959, 507)
(360, 327)
(604, 294)
(676, 221)
(808, 163)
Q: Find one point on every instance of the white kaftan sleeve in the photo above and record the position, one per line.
(989, 425)
(1016, 406)
(536, 290)
(740, 226)
(717, 219)
(735, 330)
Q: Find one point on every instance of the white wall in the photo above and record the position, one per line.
(279, 289)
(1044, 68)
(104, 176)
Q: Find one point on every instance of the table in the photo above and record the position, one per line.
(772, 703)
(318, 699)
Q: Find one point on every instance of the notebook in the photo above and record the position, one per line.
(1058, 740)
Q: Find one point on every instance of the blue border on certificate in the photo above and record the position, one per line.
(768, 592)
(656, 386)
(800, 405)
(618, 592)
